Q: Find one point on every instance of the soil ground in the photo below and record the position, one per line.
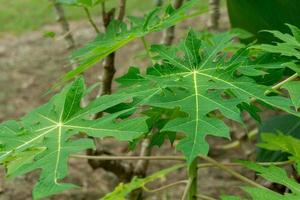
(30, 64)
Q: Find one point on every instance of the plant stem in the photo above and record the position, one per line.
(232, 172)
(165, 187)
(88, 14)
(205, 197)
(61, 18)
(192, 174)
(175, 158)
(147, 48)
(277, 86)
(186, 189)
(169, 33)
(206, 165)
(179, 158)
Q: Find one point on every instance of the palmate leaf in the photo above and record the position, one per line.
(119, 34)
(294, 90)
(44, 140)
(199, 82)
(276, 175)
(277, 145)
(283, 143)
(289, 45)
(122, 190)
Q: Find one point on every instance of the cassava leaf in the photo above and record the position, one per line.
(122, 190)
(119, 34)
(198, 78)
(43, 139)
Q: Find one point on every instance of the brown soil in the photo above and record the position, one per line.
(30, 64)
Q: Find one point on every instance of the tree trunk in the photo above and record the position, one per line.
(214, 11)
(169, 33)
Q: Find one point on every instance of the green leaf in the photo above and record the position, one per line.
(285, 124)
(255, 15)
(276, 175)
(289, 45)
(294, 90)
(198, 78)
(283, 143)
(122, 190)
(119, 34)
(44, 140)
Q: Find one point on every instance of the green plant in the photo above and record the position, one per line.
(190, 88)
(276, 142)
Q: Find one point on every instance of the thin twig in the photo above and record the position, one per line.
(178, 158)
(147, 48)
(88, 14)
(175, 158)
(232, 172)
(185, 192)
(169, 33)
(206, 165)
(277, 86)
(61, 18)
(280, 84)
(165, 186)
(205, 197)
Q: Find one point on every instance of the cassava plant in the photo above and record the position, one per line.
(187, 93)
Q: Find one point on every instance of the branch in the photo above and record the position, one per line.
(283, 163)
(122, 170)
(278, 86)
(88, 14)
(205, 197)
(232, 172)
(141, 167)
(165, 186)
(147, 48)
(176, 158)
(122, 10)
(169, 33)
(64, 24)
(187, 187)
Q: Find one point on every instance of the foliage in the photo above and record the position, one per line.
(122, 190)
(275, 174)
(289, 45)
(202, 76)
(284, 124)
(44, 139)
(119, 34)
(281, 142)
(191, 88)
(194, 90)
(255, 16)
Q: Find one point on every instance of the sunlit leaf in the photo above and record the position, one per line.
(43, 139)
